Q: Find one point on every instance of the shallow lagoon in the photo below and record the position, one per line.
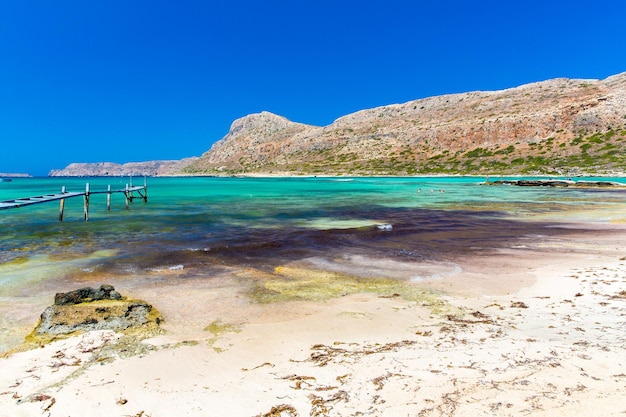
(405, 228)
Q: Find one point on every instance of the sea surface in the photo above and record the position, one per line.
(194, 226)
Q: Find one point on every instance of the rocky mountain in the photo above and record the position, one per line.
(111, 169)
(561, 126)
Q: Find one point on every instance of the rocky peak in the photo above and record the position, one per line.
(258, 136)
(263, 125)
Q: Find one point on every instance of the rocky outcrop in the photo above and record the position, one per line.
(111, 169)
(88, 309)
(258, 139)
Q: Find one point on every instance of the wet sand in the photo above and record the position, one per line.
(535, 327)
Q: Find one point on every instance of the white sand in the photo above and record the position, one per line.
(547, 337)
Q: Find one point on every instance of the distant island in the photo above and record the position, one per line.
(111, 169)
(14, 175)
(568, 127)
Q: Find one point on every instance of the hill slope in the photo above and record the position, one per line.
(560, 126)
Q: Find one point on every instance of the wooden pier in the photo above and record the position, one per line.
(142, 190)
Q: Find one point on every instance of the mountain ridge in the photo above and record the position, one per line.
(560, 126)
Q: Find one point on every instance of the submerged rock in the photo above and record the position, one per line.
(88, 309)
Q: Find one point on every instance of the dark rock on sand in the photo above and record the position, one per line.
(88, 309)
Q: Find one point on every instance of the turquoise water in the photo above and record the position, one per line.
(193, 226)
(197, 213)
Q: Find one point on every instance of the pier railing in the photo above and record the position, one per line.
(141, 190)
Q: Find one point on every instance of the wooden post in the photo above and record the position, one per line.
(145, 189)
(131, 186)
(126, 195)
(62, 205)
(86, 207)
(109, 197)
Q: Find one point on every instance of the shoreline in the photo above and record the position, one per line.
(542, 335)
(616, 174)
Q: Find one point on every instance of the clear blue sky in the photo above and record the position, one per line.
(125, 80)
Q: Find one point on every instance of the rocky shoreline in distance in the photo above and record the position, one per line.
(558, 183)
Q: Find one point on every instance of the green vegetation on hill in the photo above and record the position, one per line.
(595, 152)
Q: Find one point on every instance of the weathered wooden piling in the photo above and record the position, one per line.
(61, 205)
(86, 200)
(109, 197)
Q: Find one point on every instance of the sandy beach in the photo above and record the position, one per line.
(535, 330)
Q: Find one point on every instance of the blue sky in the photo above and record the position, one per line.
(124, 80)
